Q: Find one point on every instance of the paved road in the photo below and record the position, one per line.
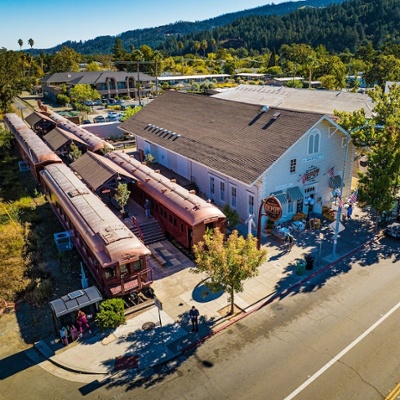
(275, 352)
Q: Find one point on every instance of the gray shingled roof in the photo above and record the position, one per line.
(234, 138)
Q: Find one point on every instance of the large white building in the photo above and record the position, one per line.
(239, 154)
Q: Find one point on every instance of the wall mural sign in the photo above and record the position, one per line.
(273, 208)
(311, 174)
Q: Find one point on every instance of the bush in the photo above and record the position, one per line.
(111, 314)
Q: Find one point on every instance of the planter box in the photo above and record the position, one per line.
(298, 217)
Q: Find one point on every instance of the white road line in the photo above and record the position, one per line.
(342, 353)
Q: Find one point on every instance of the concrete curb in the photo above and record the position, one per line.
(277, 295)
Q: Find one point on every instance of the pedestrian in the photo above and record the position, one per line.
(81, 320)
(290, 241)
(349, 211)
(147, 208)
(194, 316)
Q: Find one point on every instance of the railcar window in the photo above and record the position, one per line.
(181, 227)
(137, 265)
(170, 218)
(124, 269)
(109, 272)
(174, 221)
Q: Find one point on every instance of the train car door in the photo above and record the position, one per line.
(190, 238)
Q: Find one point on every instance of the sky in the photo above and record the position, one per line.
(52, 22)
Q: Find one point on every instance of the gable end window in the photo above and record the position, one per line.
(293, 166)
(314, 142)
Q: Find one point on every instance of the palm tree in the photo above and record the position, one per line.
(31, 42)
(137, 56)
(204, 46)
(180, 47)
(157, 56)
(20, 42)
(196, 46)
(311, 63)
(213, 43)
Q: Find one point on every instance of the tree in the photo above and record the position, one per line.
(75, 153)
(232, 216)
(93, 66)
(31, 42)
(196, 46)
(81, 92)
(204, 46)
(380, 139)
(180, 47)
(157, 57)
(122, 196)
(21, 43)
(228, 263)
(118, 50)
(66, 60)
(111, 314)
(11, 79)
(137, 56)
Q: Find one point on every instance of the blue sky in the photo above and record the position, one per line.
(51, 22)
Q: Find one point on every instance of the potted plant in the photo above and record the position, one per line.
(269, 226)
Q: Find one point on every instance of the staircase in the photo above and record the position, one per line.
(150, 232)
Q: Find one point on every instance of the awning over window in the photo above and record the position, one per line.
(281, 197)
(336, 183)
(294, 194)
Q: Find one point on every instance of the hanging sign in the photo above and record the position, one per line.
(273, 208)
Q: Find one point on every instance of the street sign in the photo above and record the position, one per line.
(333, 226)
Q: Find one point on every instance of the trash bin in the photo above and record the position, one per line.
(300, 266)
(309, 261)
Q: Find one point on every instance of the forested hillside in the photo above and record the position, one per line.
(153, 37)
(337, 26)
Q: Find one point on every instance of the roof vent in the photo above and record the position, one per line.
(264, 109)
(276, 115)
(157, 171)
(192, 191)
(173, 180)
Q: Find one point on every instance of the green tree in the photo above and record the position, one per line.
(137, 56)
(196, 46)
(379, 137)
(130, 112)
(111, 314)
(20, 43)
(122, 195)
(11, 79)
(66, 60)
(118, 51)
(31, 42)
(228, 263)
(81, 92)
(232, 216)
(157, 57)
(204, 46)
(93, 66)
(75, 153)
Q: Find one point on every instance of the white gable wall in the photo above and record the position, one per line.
(247, 199)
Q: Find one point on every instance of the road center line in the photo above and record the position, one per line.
(342, 353)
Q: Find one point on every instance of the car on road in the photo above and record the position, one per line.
(97, 103)
(393, 230)
(99, 119)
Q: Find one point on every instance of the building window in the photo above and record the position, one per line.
(290, 207)
(313, 142)
(212, 185)
(109, 272)
(233, 197)
(293, 166)
(222, 190)
(137, 265)
(251, 204)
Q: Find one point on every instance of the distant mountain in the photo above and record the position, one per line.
(153, 37)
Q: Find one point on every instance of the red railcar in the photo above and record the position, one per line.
(114, 255)
(183, 215)
(33, 150)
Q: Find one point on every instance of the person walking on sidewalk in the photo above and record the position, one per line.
(194, 317)
(290, 241)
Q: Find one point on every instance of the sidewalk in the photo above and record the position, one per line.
(142, 343)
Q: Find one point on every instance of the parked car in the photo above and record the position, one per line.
(97, 103)
(393, 230)
(98, 119)
(86, 121)
(88, 103)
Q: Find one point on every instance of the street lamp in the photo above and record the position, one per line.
(339, 210)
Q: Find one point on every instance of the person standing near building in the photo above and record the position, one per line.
(290, 241)
(194, 317)
(349, 211)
